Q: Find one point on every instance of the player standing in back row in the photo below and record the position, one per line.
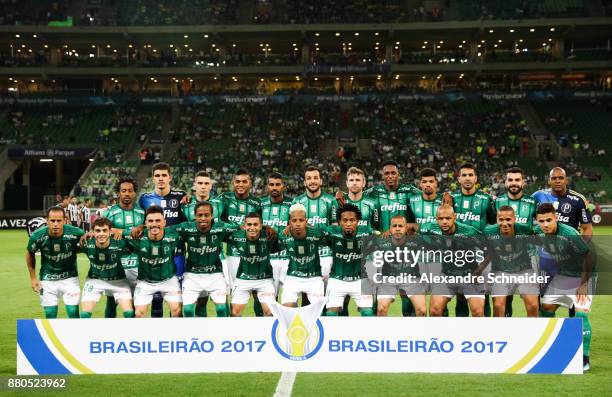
(524, 207)
(475, 208)
(275, 213)
(392, 198)
(321, 210)
(234, 207)
(170, 201)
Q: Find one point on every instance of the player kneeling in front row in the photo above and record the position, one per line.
(304, 271)
(203, 271)
(58, 244)
(575, 279)
(451, 237)
(387, 291)
(156, 268)
(509, 245)
(106, 275)
(346, 277)
(254, 269)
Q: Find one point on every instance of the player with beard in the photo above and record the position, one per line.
(124, 216)
(475, 208)
(156, 267)
(169, 200)
(275, 214)
(321, 211)
(234, 207)
(524, 207)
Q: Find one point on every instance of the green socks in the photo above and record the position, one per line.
(85, 314)
(257, 307)
(407, 308)
(331, 314)
(547, 314)
(462, 309)
(129, 314)
(50, 311)
(586, 332)
(221, 310)
(189, 310)
(72, 311)
(366, 312)
(200, 310)
(110, 311)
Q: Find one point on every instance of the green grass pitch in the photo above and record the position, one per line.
(21, 302)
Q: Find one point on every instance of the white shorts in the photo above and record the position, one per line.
(294, 286)
(243, 288)
(69, 289)
(391, 291)
(230, 270)
(562, 291)
(338, 289)
(94, 288)
(132, 277)
(506, 289)
(279, 270)
(170, 290)
(326, 265)
(196, 285)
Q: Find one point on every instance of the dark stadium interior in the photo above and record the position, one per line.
(220, 84)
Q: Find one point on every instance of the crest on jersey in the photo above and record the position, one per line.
(555, 205)
(242, 208)
(297, 333)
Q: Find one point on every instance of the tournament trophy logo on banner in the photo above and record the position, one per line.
(297, 333)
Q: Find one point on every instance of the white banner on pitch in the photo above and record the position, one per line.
(332, 344)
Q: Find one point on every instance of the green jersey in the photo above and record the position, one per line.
(392, 268)
(450, 244)
(58, 255)
(126, 220)
(391, 203)
(347, 252)
(474, 209)
(509, 254)
(204, 249)
(321, 211)
(105, 263)
(425, 210)
(189, 208)
(276, 215)
(567, 248)
(367, 206)
(254, 255)
(303, 254)
(233, 210)
(155, 258)
(524, 208)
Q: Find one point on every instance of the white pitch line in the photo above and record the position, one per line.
(285, 384)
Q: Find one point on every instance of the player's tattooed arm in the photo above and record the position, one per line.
(31, 262)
